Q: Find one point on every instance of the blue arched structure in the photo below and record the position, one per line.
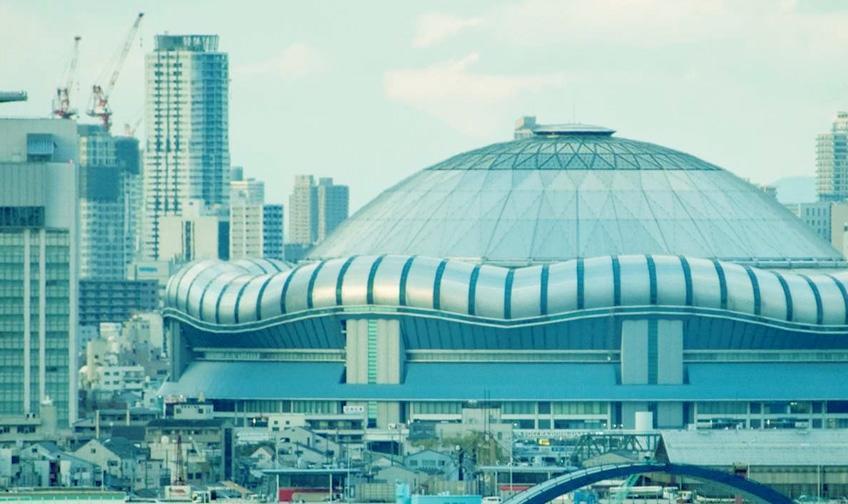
(553, 488)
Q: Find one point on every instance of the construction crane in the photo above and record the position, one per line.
(62, 101)
(12, 96)
(99, 105)
(130, 129)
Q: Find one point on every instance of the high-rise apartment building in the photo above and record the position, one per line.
(303, 211)
(832, 161)
(245, 230)
(316, 210)
(109, 200)
(187, 154)
(39, 257)
(333, 205)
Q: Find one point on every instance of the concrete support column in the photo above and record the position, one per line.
(42, 315)
(356, 351)
(179, 349)
(27, 314)
(652, 354)
(387, 413)
(374, 352)
(391, 353)
(634, 352)
(669, 352)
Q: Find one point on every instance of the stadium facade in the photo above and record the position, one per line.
(564, 280)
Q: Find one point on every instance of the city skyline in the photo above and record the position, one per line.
(503, 252)
(427, 76)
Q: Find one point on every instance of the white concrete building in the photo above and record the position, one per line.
(187, 153)
(256, 229)
(197, 233)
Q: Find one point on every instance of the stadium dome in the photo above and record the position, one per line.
(570, 278)
(573, 191)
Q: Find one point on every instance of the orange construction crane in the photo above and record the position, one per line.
(99, 105)
(62, 101)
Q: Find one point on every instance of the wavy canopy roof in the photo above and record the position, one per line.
(227, 296)
(564, 194)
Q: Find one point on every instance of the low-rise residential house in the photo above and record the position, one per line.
(10, 466)
(263, 457)
(125, 464)
(433, 462)
(46, 465)
(197, 451)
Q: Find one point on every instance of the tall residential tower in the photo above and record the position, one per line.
(187, 154)
(832, 161)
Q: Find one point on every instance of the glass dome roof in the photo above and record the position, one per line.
(565, 192)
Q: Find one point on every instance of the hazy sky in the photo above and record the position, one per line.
(370, 91)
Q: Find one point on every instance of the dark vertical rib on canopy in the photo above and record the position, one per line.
(340, 279)
(403, 277)
(472, 290)
(371, 274)
(543, 290)
(437, 284)
(510, 278)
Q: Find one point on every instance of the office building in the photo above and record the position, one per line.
(39, 264)
(316, 210)
(832, 161)
(828, 219)
(109, 202)
(333, 206)
(273, 244)
(187, 153)
(197, 233)
(571, 279)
